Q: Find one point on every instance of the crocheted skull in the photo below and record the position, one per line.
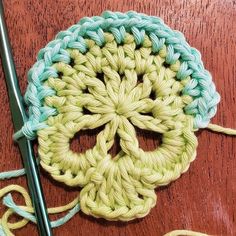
(119, 71)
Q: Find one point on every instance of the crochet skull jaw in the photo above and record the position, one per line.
(122, 71)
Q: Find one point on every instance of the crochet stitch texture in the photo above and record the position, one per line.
(120, 71)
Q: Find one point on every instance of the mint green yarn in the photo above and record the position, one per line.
(2, 233)
(12, 174)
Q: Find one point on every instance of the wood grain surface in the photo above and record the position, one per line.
(204, 198)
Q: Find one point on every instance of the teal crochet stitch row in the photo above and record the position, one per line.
(200, 87)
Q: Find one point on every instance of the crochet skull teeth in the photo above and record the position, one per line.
(119, 71)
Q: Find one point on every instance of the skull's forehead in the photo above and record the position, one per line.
(117, 76)
(91, 34)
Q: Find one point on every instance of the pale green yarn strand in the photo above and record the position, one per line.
(185, 233)
(2, 233)
(220, 129)
(12, 174)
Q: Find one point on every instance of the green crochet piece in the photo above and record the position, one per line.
(120, 71)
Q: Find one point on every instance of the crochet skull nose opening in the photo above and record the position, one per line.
(115, 149)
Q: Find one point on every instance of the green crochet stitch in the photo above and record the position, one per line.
(120, 70)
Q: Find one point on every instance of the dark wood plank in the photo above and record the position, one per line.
(204, 198)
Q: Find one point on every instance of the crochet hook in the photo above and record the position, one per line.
(19, 117)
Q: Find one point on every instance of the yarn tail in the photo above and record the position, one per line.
(26, 212)
(185, 232)
(220, 129)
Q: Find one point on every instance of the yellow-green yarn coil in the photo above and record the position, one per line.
(137, 89)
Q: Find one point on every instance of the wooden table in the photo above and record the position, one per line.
(203, 199)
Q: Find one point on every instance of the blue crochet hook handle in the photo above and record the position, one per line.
(19, 118)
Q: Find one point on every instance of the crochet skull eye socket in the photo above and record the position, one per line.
(86, 139)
